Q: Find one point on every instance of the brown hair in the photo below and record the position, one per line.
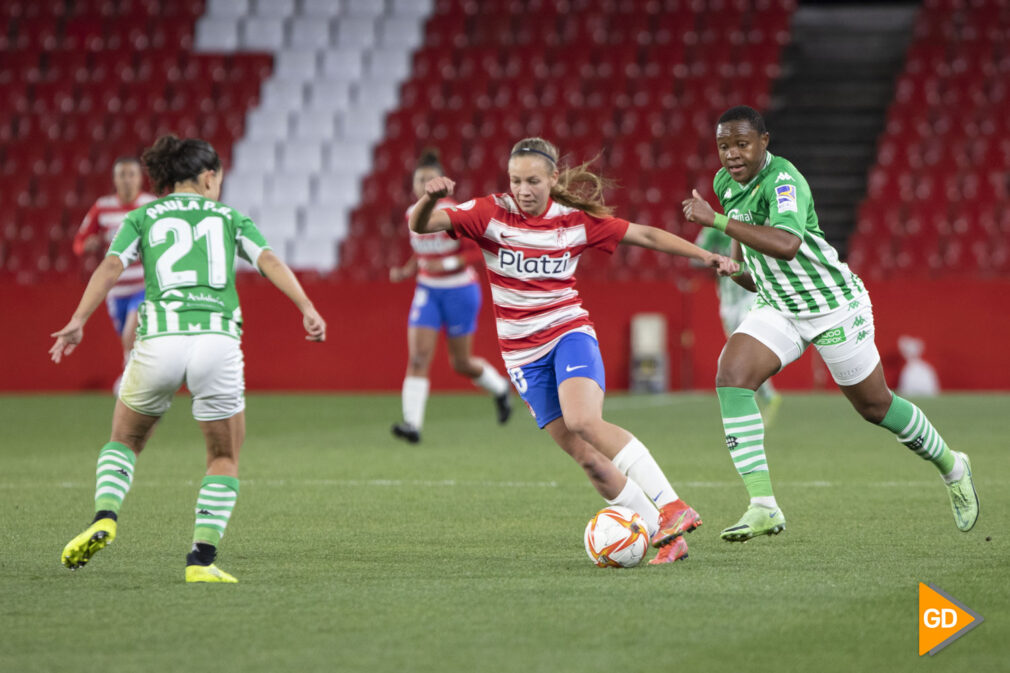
(578, 186)
(429, 159)
(172, 160)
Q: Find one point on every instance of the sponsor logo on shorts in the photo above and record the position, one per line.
(785, 195)
(832, 337)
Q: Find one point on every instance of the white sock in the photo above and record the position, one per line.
(765, 501)
(637, 463)
(491, 381)
(956, 472)
(415, 397)
(632, 497)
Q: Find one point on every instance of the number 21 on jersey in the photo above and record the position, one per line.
(187, 249)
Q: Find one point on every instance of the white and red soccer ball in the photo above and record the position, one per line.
(616, 538)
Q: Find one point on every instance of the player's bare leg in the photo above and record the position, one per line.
(481, 373)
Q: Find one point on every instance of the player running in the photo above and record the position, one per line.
(447, 295)
(804, 296)
(734, 303)
(532, 239)
(189, 331)
(96, 232)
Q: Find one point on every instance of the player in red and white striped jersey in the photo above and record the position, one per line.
(532, 239)
(447, 295)
(96, 233)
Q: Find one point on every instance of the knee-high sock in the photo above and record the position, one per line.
(415, 398)
(915, 431)
(214, 505)
(491, 381)
(632, 497)
(637, 463)
(745, 436)
(113, 476)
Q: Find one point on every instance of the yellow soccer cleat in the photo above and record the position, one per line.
(209, 573)
(80, 550)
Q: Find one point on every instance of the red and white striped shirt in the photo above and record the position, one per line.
(531, 263)
(104, 218)
(440, 246)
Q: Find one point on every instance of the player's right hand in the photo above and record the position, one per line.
(439, 187)
(397, 273)
(67, 339)
(314, 325)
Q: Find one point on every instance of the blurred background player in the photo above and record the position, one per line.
(734, 303)
(96, 232)
(190, 329)
(447, 296)
(532, 239)
(805, 295)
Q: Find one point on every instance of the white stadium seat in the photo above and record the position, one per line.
(217, 34)
(282, 94)
(300, 156)
(344, 64)
(251, 154)
(354, 32)
(275, 9)
(399, 34)
(227, 8)
(322, 220)
(277, 223)
(389, 65)
(243, 190)
(267, 124)
(320, 9)
(330, 94)
(412, 8)
(296, 64)
(315, 124)
(313, 253)
(288, 188)
(309, 33)
(363, 8)
(259, 34)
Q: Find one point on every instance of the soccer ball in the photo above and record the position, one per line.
(616, 538)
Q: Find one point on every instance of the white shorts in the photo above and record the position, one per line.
(843, 337)
(211, 365)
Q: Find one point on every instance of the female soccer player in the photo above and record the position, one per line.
(100, 225)
(532, 239)
(804, 295)
(448, 296)
(189, 331)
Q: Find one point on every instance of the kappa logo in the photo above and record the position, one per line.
(942, 619)
(783, 176)
(204, 512)
(123, 472)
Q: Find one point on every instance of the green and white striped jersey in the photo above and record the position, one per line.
(730, 292)
(187, 244)
(815, 281)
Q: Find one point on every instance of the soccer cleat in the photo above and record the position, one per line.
(79, 551)
(503, 405)
(675, 551)
(211, 573)
(963, 498)
(675, 519)
(757, 520)
(406, 431)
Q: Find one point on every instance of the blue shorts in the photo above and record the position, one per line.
(454, 308)
(120, 307)
(576, 354)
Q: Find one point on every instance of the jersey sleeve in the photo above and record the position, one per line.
(249, 242)
(126, 244)
(470, 219)
(788, 201)
(604, 233)
(88, 228)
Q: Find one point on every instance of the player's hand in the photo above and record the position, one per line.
(439, 187)
(314, 325)
(67, 339)
(398, 273)
(724, 266)
(696, 209)
(92, 243)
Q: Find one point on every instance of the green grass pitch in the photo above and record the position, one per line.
(464, 553)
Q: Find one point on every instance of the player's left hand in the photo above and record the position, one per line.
(67, 339)
(696, 209)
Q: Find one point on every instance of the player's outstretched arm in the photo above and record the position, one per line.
(770, 241)
(424, 219)
(664, 241)
(398, 273)
(102, 280)
(278, 273)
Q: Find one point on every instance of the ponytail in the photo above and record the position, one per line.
(172, 160)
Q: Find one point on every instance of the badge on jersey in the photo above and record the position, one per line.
(786, 197)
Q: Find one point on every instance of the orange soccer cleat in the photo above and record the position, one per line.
(675, 519)
(675, 551)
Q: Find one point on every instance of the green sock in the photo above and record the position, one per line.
(745, 435)
(113, 476)
(915, 431)
(213, 508)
